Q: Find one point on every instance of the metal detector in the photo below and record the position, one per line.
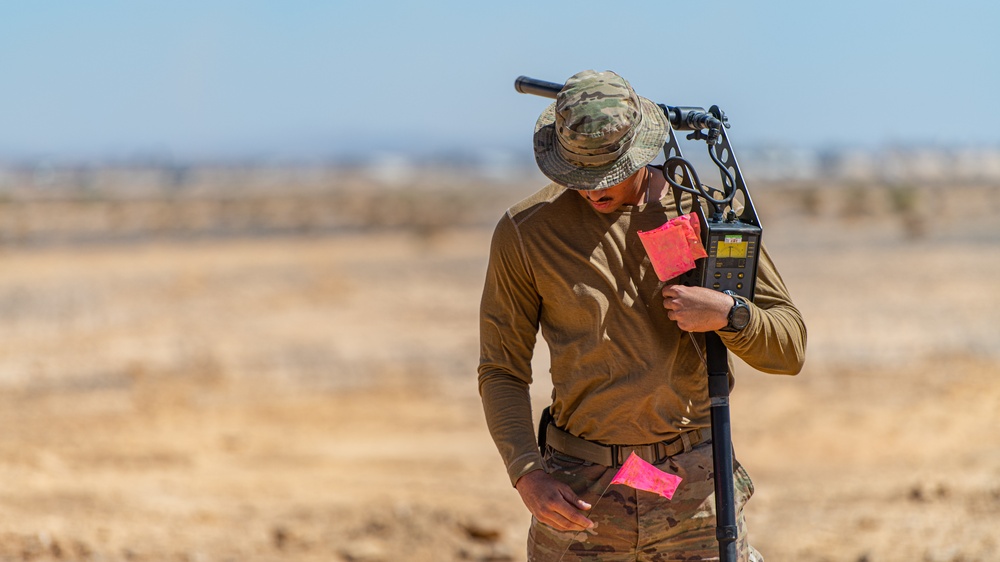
(732, 242)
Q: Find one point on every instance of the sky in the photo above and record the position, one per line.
(293, 79)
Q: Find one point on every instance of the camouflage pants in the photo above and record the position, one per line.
(636, 525)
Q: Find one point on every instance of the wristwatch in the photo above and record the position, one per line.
(739, 314)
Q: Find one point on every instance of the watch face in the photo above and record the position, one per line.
(740, 317)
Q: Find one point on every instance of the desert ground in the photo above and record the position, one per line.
(312, 395)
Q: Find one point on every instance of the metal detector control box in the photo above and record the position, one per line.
(731, 238)
(731, 265)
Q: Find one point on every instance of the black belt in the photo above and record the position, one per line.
(615, 455)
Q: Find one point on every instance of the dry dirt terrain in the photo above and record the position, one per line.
(314, 397)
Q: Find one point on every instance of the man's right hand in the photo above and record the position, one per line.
(552, 502)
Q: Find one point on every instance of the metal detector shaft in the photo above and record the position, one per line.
(682, 118)
(722, 446)
(537, 87)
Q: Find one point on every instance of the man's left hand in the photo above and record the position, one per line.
(697, 309)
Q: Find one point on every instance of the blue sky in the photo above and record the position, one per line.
(209, 79)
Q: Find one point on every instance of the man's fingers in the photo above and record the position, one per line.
(673, 291)
(563, 512)
(568, 521)
(570, 509)
(571, 497)
(671, 297)
(553, 503)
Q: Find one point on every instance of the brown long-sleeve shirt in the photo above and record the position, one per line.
(622, 372)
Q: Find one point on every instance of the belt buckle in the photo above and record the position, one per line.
(620, 453)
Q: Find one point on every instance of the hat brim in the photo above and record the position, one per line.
(645, 148)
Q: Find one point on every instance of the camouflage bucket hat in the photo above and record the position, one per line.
(598, 132)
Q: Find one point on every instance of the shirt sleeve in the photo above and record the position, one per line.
(775, 339)
(509, 316)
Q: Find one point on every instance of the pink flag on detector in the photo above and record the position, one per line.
(641, 475)
(673, 247)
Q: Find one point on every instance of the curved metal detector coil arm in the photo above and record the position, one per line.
(678, 173)
(723, 156)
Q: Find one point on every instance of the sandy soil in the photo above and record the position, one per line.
(315, 399)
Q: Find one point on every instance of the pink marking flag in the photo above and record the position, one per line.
(641, 475)
(673, 247)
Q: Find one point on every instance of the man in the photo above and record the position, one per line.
(626, 350)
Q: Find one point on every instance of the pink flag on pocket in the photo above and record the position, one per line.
(641, 475)
(673, 247)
